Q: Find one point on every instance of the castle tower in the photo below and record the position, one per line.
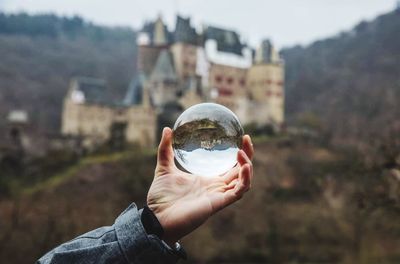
(151, 40)
(266, 85)
(184, 49)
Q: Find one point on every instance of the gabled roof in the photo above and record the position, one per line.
(134, 95)
(93, 90)
(227, 40)
(184, 32)
(147, 58)
(164, 69)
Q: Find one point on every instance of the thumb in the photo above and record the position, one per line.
(165, 156)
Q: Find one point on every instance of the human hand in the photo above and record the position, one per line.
(183, 201)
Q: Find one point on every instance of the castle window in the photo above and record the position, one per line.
(278, 94)
(229, 80)
(268, 93)
(218, 78)
(242, 82)
(280, 83)
(224, 92)
(268, 82)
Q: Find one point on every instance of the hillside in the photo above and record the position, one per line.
(309, 204)
(40, 54)
(350, 82)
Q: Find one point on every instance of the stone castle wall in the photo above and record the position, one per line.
(93, 122)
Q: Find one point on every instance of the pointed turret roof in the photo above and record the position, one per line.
(184, 32)
(160, 33)
(157, 33)
(134, 95)
(164, 69)
(91, 90)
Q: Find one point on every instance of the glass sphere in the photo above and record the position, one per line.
(206, 139)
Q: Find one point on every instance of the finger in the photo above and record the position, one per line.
(242, 158)
(231, 185)
(247, 146)
(231, 174)
(165, 156)
(242, 185)
(244, 180)
(251, 175)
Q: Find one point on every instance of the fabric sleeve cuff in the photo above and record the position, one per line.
(136, 245)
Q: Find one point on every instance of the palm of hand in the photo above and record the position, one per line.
(182, 201)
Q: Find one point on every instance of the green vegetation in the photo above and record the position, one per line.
(49, 25)
(309, 204)
(349, 85)
(259, 131)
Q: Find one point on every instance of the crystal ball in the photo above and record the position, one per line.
(206, 139)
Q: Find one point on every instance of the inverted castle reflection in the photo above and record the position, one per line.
(207, 138)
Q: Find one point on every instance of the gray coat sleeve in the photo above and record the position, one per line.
(124, 242)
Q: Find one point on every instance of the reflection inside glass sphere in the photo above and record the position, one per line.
(206, 139)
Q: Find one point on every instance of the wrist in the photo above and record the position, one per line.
(151, 224)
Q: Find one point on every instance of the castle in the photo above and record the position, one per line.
(179, 69)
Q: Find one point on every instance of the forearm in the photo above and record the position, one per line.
(124, 242)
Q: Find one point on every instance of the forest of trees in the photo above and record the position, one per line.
(50, 25)
(350, 84)
(41, 53)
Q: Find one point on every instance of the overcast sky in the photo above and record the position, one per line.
(286, 22)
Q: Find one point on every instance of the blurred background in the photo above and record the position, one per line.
(86, 87)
